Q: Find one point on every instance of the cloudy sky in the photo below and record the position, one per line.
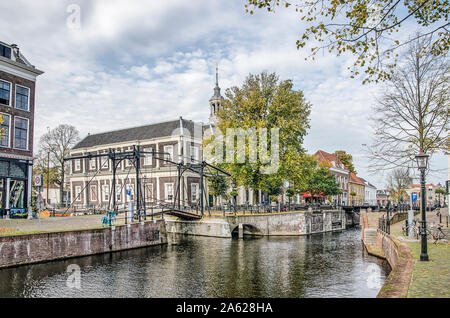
(130, 63)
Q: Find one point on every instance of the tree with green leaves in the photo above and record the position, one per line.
(346, 159)
(218, 187)
(41, 166)
(323, 182)
(367, 29)
(265, 102)
(440, 192)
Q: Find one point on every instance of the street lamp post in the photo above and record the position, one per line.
(422, 163)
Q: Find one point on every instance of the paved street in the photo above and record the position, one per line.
(56, 224)
(432, 278)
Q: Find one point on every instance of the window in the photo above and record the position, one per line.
(92, 163)
(148, 158)
(104, 162)
(93, 195)
(105, 192)
(169, 191)
(22, 97)
(194, 192)
(169, 151)
(5, 93)
(78, 193)
(20, 133)
(5, 51)
(77, 165)
(118, 192)
(194, 154)
(149, 192)
(4, 130)
(128, 163)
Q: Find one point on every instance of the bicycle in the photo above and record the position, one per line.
(436, 233)
(415, 229)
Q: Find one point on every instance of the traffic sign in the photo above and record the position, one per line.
(413, 197)
(38, 180)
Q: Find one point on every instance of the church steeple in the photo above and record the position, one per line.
(215, 103)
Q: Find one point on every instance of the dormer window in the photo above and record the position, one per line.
(5, 51)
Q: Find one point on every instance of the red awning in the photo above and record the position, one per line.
(308, 195)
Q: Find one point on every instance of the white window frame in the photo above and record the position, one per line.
(78, 193)
(195, 153)
(102, 162)
(28, 133)
(93, 186)
(105, 186)
(10, 92)
(166, 150)
(128, 163)
(92, 161)
(9, 130)
(148, 158)
(196, 186)
(77, 165)
(29, 97)
(149, 192)
(166, 190)
(118, 192)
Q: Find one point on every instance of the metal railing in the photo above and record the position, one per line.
(384, 224)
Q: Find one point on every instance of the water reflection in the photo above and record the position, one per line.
(322, 265)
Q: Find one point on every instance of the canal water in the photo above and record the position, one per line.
(320, 265)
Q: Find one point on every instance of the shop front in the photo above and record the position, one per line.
(15, 187)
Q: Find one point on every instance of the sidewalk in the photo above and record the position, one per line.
(54, 224)
(432, 278)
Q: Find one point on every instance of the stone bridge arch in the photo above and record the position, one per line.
(246, 229)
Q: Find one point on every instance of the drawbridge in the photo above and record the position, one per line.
(175, 207)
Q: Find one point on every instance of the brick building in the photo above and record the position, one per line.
(91, 179)
(356, 187)
(17, 108)
(337, 168)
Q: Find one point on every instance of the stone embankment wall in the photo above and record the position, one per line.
(34, 248)
(276, 224)
(214, 227)
(398, 256)
(401, 261)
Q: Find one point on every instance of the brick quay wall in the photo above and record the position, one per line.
(42, 247)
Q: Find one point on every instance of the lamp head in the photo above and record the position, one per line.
(422, 160)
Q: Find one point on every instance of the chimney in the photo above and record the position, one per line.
(16, 51)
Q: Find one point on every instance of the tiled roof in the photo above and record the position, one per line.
(367, 183)
(323, 156)
(418, 185)
(355, 179)
(158, 130)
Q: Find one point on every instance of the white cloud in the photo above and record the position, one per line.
(137, 62)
